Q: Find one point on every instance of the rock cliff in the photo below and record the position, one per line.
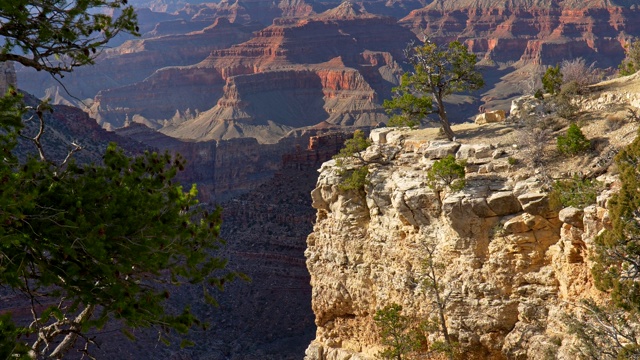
(512, 263)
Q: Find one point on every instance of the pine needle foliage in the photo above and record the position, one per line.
(574, 142)
(114, 240)
(397, 332)
(617, 269)
(447, 172)
(57, 36)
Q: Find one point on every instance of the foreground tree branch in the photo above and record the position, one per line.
(57, 36)
(96, 243)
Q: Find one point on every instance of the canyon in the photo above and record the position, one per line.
(258, 95)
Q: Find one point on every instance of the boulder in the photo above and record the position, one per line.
(379, 136)
(536, 203)
(572, 216)
(441, 149)
(504, 203)
(491, 117)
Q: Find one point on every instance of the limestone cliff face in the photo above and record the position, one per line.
(513, 265)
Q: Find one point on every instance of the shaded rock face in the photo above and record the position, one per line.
(269, 318)
(66, 125)
(228, 168)
(137, 59)
(511, 264)
(294, 73)
(539, 32)
(7, 76)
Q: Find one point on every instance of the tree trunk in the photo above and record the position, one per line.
(444, 121)
(440, 302)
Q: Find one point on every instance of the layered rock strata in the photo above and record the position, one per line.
(137, 59)
(511, 264)
(540, 32)
(335, 66)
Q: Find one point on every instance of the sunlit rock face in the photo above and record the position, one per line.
(539, 32)
(511, 263)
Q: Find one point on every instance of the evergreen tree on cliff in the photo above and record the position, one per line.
(438, 71)
(618, 261)
(83, 245)
(610, 330)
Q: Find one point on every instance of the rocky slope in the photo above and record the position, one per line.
(512, 264)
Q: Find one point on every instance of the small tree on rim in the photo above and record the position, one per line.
(438, 71)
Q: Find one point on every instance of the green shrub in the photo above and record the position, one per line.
(552, 80)
(539, 94)
(354, 179)
(574, 142)
(447, 172)
(397, 333)
(575, 192)
(352, 148)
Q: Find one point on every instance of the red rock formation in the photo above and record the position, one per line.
(542, 32)
(135, 60)
(335, 66)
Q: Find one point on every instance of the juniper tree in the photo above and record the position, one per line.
(438, 71)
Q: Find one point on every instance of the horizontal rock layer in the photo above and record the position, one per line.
(540, 32)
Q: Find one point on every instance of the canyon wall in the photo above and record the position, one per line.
(336, 66)
(228, 168)
(269, 318)
(539, 32)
